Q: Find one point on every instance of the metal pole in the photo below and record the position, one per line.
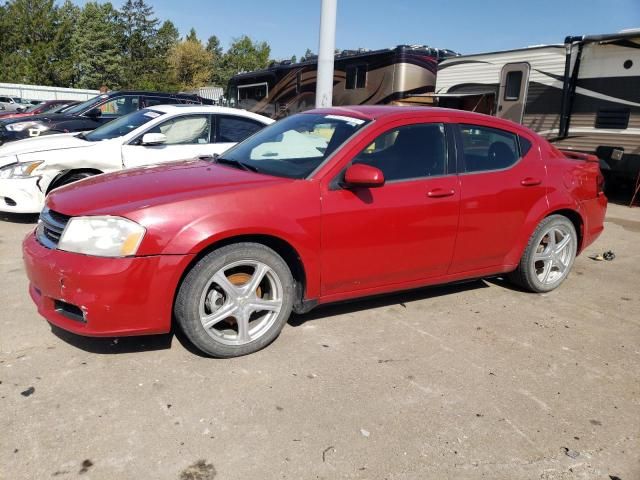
(324, 85)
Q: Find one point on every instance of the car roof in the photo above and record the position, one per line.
(191, 108)
(391, 112)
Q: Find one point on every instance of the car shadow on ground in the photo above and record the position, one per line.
(399, 298)
(19, 217)
(146, 343)
(111, 345)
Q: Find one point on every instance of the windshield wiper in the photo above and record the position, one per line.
(81, 136)
(234, 163)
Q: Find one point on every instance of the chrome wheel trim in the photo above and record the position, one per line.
(553, 256)
(236, 314)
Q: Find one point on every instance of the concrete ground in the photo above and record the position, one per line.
(459, 382)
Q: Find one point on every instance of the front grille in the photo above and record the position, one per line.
(50, 227)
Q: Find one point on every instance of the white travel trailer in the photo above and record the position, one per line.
(582, 95)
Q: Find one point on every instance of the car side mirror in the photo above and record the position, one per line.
(361, 175)
(154, 139)
(94, 113)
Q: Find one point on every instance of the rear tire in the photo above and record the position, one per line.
(549, 255)
(235, 300)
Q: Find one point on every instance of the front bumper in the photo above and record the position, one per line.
(8, 136)
(21, 195)
(103, 297)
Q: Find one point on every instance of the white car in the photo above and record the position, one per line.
(31, 168)
(11, 104)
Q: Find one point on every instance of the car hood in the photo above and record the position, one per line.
(42, 118)
(41, 144)
(122, 193)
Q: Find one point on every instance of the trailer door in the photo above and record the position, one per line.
(514, 80)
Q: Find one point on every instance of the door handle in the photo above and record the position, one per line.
(440, 192)
(530, 182)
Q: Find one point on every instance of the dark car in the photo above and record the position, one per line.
(324, 206)
(90, 114)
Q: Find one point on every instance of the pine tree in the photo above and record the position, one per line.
(139, 27)
(96, 43)
(163, 43)
(192, 37)
(63, 74)
(27, 29)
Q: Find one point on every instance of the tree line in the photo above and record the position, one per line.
(128, 48)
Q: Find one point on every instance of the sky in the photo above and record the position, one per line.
(465, 26)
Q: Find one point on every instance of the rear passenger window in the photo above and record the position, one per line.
(487, 148)
(153, 101)
(234, 129)
(412, 151)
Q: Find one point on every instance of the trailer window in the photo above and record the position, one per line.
(513, 85)
(252, 92)
(356, 77)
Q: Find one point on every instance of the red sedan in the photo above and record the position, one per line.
(50, 106)
(323, 206)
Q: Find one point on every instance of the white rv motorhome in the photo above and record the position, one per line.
(582, 95)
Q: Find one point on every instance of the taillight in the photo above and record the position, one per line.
(600, 183)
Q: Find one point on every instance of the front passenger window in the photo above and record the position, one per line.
(412, 151)
(185, 130)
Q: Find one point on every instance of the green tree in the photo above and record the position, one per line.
(166, 38)
(294, 59)
(96, 43)
(28, 30)
(64, 74)
(213, 46)
(244, 55)
(192, 37)
(140, 28)
(190, 64)
(307, 54)
(215, 49)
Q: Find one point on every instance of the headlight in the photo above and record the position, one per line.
(102, 236)
(19, 170)
(21, 126)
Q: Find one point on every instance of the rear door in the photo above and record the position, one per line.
(512, 97)
(231, 129)
(501, 179)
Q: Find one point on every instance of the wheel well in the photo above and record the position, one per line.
(576, 219)
(281, 247)
(55, 183)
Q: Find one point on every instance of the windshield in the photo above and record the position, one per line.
(295, 146)
(81, 107)
(123, 125)
(63, 108)
(40, 108)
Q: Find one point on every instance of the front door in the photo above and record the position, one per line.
(187, 137)
(403, 231)
(512, 97)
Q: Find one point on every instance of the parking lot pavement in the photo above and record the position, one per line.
(470, 381)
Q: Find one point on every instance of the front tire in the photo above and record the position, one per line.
(235, 300)
(71, 178)
(549, 255)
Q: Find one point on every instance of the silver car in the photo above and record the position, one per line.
(11, 104)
